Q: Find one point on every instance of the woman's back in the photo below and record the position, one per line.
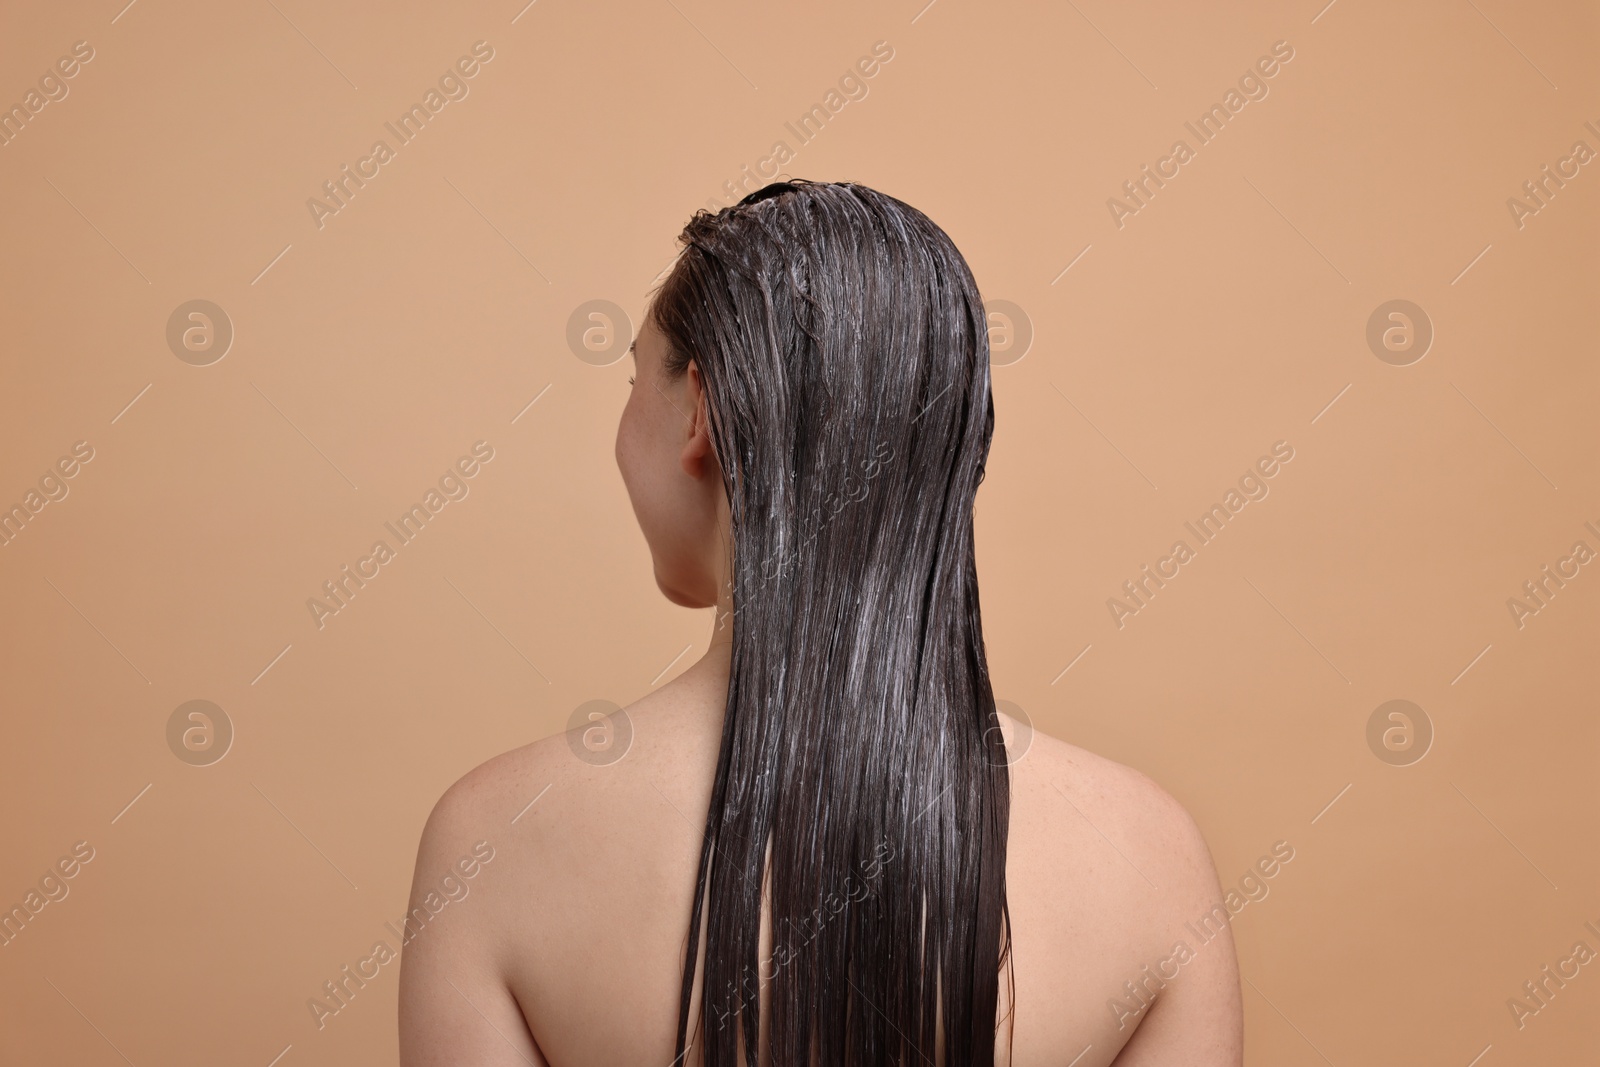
(824, 807)
(573, 934)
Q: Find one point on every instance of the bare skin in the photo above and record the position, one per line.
(568, 948)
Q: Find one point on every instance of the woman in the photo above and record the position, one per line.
(825, 804)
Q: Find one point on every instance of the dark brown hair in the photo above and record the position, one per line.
(845, 356)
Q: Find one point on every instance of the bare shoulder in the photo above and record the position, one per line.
(455, 1002)
(1108, 869)
(471, 846)
(1108, 794)
(595, 833)
(577, 777)
(493, 792)
(583, 822)
(479, 796)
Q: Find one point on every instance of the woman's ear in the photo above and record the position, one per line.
(698, 459)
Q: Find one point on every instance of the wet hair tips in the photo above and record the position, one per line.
(861, 785)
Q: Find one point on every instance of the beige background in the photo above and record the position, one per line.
(1228, 314)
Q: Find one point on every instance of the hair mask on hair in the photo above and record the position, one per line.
(837, 330)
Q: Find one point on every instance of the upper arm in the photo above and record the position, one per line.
(1197, 1017)
(455, 1005)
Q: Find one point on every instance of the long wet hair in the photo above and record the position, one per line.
(844, 352)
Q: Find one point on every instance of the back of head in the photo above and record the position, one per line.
(862, 777)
